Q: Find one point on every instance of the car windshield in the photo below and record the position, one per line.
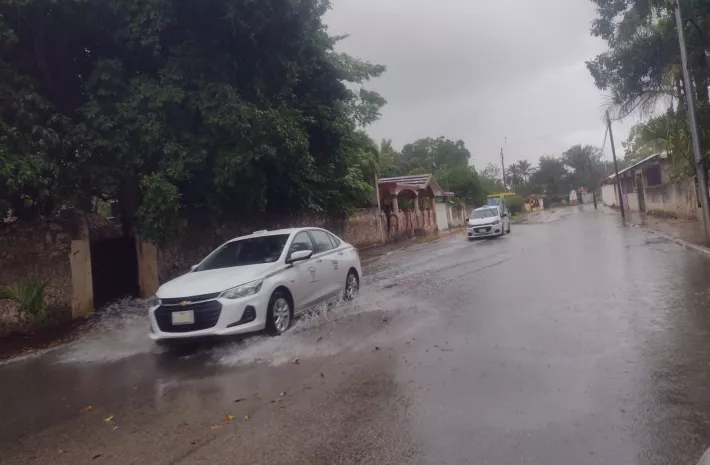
(252, 251)
(487, 213)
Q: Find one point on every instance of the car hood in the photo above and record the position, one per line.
(482, 221)
(212, 281)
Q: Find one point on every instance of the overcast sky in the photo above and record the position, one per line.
(481, 71)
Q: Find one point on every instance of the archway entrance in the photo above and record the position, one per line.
(114, 269)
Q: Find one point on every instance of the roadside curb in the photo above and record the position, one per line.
(694, 247)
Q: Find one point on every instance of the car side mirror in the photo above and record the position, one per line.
(504, 215)
(299, 256)
(194, 267)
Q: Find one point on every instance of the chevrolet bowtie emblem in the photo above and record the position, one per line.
(183, 303)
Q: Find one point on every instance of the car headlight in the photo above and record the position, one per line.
(153, 301)
(243, 290)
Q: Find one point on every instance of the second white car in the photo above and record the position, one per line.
(488, 221)
(255, 282)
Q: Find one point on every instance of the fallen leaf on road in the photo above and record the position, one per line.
(239, 400)
(296, 362)
(282, 394)
(60, 451)
(229, 417)
(96, 456)
(109, 419)
(322, 375)
(320, 338)
(216, 426)
(246, 417)
(87, 409)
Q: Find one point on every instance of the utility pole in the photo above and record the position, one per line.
(616, 166)
(700, 171)
(502, 165)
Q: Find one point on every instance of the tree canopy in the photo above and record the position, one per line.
(180, 110)
(448, 160)
(642, 69)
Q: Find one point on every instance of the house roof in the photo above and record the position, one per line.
(637, 164)
(415, 182)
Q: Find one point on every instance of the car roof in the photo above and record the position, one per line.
(276, 232)
(489, 207)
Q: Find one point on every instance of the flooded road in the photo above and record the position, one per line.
(571, 341)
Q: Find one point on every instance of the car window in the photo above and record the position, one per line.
(334, 240)
(321, 240)
(302, 241)
(487, 213)
(252, 251)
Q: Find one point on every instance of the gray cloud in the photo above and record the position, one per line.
(481, 71)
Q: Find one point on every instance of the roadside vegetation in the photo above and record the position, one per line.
(181, 111)
(642, 73)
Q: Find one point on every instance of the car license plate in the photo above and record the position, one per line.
(184, 318)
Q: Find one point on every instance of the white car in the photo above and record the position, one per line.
(255, 282)
(488, 221)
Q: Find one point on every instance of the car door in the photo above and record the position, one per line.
(326, 264)
(341, 262)
(303, 274)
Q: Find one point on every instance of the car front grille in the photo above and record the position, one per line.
(206, 316)
(480, 230)
(194, 298)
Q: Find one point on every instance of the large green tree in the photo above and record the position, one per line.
(181, 110)
(585, 165)
(642, 68)
(434, 154)
(551, 177)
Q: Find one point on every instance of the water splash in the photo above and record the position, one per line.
(120, 330)
(327, 330)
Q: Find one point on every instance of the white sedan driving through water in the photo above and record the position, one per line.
(488, 221)
(255, 282)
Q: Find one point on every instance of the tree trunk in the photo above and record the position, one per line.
(129, 202)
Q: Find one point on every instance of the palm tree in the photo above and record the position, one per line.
(525, 169)
(514, 177)
(584, 161)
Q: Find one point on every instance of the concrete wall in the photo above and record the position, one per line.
(609, 197)
(633, 202)
(457, 215)
(676, 200)
(56, 249)
(442, 221)
(364, 228)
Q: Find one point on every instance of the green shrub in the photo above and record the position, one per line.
(29, 294)
(514, 203)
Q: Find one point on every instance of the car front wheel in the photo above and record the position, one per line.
(280, 313)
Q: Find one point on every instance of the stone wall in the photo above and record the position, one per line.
(42, 249)
(675, 200)
(409, 223)
(175, 257)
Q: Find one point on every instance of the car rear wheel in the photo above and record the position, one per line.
(508, 231)
(352, 286)
(280, 313)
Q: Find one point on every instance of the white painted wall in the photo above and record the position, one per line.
(633, 200)
(442, 217)
(609, 195)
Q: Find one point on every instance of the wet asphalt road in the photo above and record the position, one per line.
(571, 341)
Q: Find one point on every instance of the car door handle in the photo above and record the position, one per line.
(319, 261)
